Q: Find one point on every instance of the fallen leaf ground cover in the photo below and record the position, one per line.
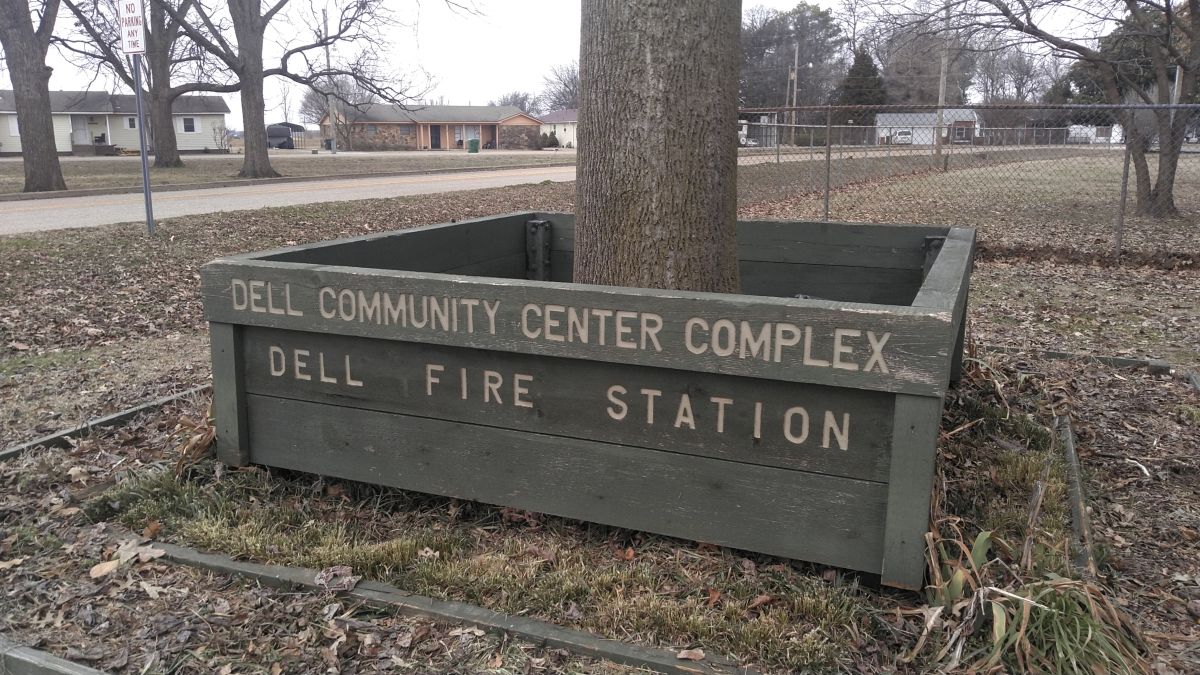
(62, 513)
(126, 172)
(98, 594)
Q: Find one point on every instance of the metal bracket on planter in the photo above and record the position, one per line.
(932, 246)
(537, 250)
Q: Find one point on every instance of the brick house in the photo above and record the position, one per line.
(379, 126)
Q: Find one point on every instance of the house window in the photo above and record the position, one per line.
(131, 122)
(372, 129)
(13, 130)
(189, 125)
(406, 129)
(960, 133)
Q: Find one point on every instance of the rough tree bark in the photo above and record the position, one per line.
(158, 61)
(656, 195)
(248, 25)
(25, 55)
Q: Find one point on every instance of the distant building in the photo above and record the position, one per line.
(380, 126)
(563, 124)
(959, 125)
(87, 123)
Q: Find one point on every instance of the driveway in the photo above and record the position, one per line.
(67, 212)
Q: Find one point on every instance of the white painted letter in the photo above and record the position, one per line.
(430, 378)
(684, 414)
(839, 348)
(842, 435)
(279, 369)
(787, 425)
(518, 390)
(621, 410)
(687, 335)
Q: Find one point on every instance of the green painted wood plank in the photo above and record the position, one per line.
(827, 430)
(914, 449)
(301, 297)
(875, 285)
(229, 404)
(835, 521)
(435, 248)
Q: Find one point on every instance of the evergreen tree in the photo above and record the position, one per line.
(862, 86)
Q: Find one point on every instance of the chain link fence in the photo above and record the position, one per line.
(1093, 178)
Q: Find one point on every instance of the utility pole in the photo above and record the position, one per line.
(937, 130)
(329, 111)
(795, 86)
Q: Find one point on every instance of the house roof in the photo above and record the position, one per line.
(561, 116)
(184, 105)
(102, 103)
(436, 114)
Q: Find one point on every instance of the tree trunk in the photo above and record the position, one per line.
(162, 126)
(656, 195)
(158, 85)
(248, 27)
(26, 62)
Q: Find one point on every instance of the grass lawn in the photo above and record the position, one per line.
(98, 319)
(126, 172)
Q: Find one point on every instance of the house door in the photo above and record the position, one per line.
(79, 131)
(435, 137)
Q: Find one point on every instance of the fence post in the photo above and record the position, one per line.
(828, 156)
(777, 140)
(1121, 208)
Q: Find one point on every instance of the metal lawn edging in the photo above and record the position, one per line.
(62, 438)
(16, 659)
(389, 597)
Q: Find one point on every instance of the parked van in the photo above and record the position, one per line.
(902, 137)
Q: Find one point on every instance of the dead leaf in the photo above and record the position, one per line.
(428, 553)
(19, 346)
(78, 474)
(65, 511)
(760, 601)
(152, 591)
(713, 596)
(152, 529)
(9, 564)
(691, 654)
(1189, 534)
(627, 554)
(337, 579)
(104, 568)
(496, 661)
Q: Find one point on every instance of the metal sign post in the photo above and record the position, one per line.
(133, 42)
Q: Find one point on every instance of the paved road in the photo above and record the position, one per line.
(66, 212)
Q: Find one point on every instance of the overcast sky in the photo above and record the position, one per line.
(466, 58)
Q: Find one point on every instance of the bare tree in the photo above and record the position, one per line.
(25, 42)
(349, 100)
(1145, 45)
(173, 65)
(233, 32)
(654, 211)
(561, 88)
(1006, 72)
(522, 100)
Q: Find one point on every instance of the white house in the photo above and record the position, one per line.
(563, 124)
(959, 124)
(88, 122)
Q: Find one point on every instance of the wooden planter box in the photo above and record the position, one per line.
(460, 360)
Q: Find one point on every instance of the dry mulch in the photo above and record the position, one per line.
(1139, 444)
(97, 594)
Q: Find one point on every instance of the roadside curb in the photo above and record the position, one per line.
(176, 187)
(18, 660)
(62, 438)
(389, 597)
